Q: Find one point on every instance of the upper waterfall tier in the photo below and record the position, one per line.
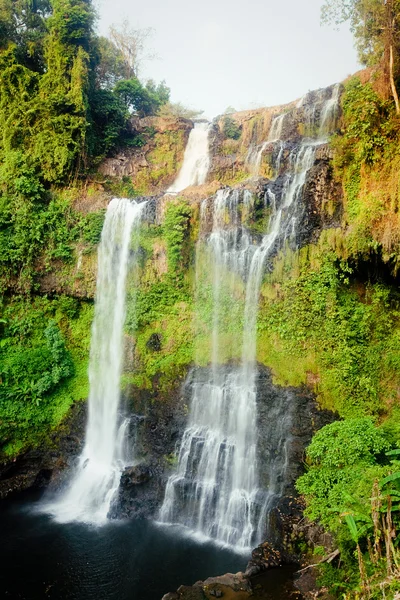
(196, 160)
(175, 154)
(267, 135)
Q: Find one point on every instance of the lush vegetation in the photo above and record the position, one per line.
(367, 161)
(319, 325)
(324, 323)
(330, 318)
(161, 305)
(230, 128)
(44, 351)
(352, 488)
(33, 237)
(329, 315)
(66, 97)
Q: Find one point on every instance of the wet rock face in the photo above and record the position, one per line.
(50, 462)
(125, 164)
(299, 407)
(322, 198)
(153, 166)
(277, 583)
(321, 205)
(155, 342)
(157, 426)
(264, 557)
(286, 524)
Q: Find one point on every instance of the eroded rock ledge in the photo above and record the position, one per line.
(230, 585)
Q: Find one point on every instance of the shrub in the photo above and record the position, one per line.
(339, 456)
(231, 129)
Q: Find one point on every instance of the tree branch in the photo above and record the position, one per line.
(327, 559)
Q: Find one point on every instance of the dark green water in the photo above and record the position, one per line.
(128, 560)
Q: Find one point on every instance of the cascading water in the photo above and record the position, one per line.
(330, 111)
(254, 155)
(215, 489)
(216, 472)
(96, 480)
(196, 160)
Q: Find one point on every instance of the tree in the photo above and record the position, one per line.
(72, 22)
(44, 112)
(61, 106)
(160, 91)
(142, 100)
(136, 97)
(131, 43)
(375, 24)
(230, 128)
(65, 94)
(109, 116)
(110, 66)
(23, 23)
(179, 111)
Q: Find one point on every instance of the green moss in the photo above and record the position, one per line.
(367, 162)
(160, 301)
(232, 176)
(121, 188)
(229, 147)
(174, 327)
(164, 161)
(316, 327)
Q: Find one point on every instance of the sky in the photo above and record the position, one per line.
(243, 54)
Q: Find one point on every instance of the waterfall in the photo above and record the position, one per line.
(275, 131)
(330, 111)
(196, 160)
(92, 488)
(215, 486)
(215, 490)
(254, 155)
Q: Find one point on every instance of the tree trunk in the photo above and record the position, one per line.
(392, 83)
(389, 53)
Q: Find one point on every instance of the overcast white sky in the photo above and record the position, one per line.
(219, 53)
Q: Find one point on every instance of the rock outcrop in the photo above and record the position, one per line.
(152, 166)
(235, 586)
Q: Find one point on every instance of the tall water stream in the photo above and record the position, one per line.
(97, 475)
(94, 484)
(196, 160)
(215, 490)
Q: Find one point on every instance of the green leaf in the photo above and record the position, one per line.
(352, 525)
(392, 477)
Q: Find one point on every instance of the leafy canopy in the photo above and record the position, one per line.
(66, 98)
